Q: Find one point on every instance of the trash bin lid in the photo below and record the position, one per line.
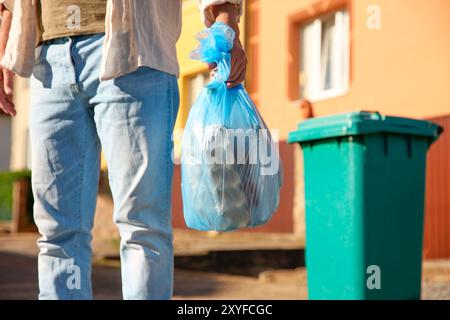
(361, 123)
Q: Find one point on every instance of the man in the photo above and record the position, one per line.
(103, 75)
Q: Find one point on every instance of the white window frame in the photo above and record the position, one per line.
(197, 80)
(311, 54)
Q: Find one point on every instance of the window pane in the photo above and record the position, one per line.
(307, 59)
(324, 55)
(327, 61)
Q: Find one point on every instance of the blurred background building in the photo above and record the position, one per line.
(329, 55)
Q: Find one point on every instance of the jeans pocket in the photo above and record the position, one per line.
(49, 62)
(143, 82)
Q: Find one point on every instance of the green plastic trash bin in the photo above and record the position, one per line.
(364, 191)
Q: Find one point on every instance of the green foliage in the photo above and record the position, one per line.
(6, 193)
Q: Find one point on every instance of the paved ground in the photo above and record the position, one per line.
(18, 281)
(18, 278)
(188, 242)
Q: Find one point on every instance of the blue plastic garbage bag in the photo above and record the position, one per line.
(231, 170)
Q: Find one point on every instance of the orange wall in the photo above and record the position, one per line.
(402, 69)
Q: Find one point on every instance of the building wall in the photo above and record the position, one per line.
(437, 204)
(283, 220)
(192, 24)
(401, 69)
(20, 156)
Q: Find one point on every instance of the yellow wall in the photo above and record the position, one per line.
(19, 130)
(192, 24)
(402, 69)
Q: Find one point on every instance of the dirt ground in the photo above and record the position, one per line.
(18, 278)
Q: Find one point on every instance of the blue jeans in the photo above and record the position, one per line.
(72, 117)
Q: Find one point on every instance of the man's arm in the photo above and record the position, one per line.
(6, 76)
(228, 13)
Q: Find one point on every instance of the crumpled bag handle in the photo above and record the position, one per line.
(215, 46)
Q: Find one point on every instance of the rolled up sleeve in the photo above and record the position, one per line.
(204, 5)
(9, 4)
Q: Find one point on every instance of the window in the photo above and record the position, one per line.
(195, 86)
(191, 87)
(324, 57)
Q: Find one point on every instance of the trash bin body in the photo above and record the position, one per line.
(364, 190)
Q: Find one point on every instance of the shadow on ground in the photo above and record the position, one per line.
(243, 262)
(18, 280)
(18, 276)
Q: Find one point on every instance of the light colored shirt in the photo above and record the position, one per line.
(138, 33)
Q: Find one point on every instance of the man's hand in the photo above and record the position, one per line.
(6, 76)
(228, 13)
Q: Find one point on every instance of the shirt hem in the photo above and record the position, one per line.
(74, 33)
